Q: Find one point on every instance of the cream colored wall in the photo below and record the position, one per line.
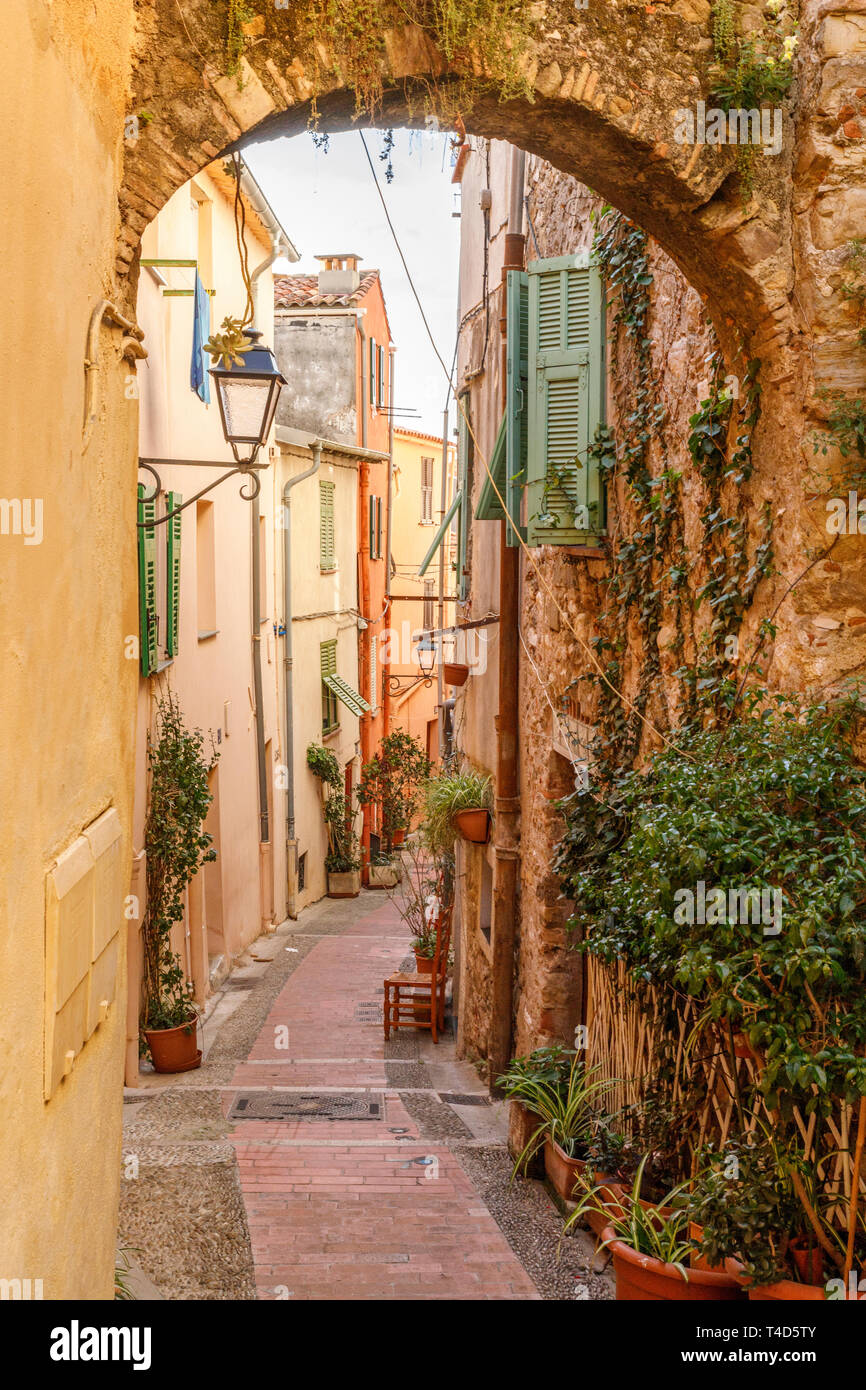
(410, 541)
(67, 699)
(212, 677)
(334, 596)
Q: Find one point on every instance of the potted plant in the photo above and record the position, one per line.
(176, 847)
(563, 1093)
(386, 870)
(651, 1243)
(459, 803)
(391, 781)
(424, 949)
(759, 1210)
(342, 864)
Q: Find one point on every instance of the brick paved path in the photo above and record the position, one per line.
(340, 1209)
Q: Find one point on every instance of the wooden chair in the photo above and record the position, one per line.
(409, 995)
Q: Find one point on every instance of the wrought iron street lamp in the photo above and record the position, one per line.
(247, 390)
(426, 655)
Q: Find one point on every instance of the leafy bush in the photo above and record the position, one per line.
(176, 846)
(392, 780)
(342, 856)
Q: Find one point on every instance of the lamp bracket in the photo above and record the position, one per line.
(249, 470)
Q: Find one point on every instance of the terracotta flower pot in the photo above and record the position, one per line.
(522, 1125)
(174, 1049)
(561, 1170)
(454, 673)
(474, 825)
(398, 837)
(787, 1291)
(423, 964)
(642, 1278)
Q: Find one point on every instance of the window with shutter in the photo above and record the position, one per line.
(464, 468)
(380, 392)
(374, 677)
(371, 526)
(379, 550)
(426, 492)
(147, 597)
(172, 597)
(372, 371)
(330, 712)
(565, 368)
(327, 541)
(516, 401)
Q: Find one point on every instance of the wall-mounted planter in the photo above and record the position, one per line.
(454, 673)
(474, 825)
(347, 885)
(385, 875)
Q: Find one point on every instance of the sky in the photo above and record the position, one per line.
(327, 202)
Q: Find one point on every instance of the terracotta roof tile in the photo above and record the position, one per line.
(302, 292)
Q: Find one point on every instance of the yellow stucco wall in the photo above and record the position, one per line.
(67, 698)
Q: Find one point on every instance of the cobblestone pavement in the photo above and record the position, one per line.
(402, 1192)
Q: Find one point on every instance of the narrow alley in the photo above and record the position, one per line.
(310, 1159)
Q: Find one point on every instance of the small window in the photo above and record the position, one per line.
(205, 569)
(327, 539)
(485, 902)
(330, 710)
(302, 872)
(426, 492)
(380, 378)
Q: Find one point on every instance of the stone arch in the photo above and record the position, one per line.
(604, 85)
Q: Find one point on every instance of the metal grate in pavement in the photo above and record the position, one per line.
(308, 1105)
(369, 1011)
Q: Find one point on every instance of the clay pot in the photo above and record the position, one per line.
(642, 1278)
(423, 964)
(561, 1170)
(474, 825)
(454, 673)
(398, 837)
(787, 1291)
(522, 1124)
(809, 1264)
(174, 1049)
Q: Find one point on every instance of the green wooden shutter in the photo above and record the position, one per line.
(565, 501)
(372, 371)
(147, 606)
(371, 526)
(172, 593)
(327, 543)
(516, 400)
(489, 506)
(379, 551)
(464, 442)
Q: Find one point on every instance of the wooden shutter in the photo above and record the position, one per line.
(379, 551)
(464, 454)
(372, 371)
(371, 526)
(147, 603)
(426, 490)
(516, 400)
(565, 502)
(172, 583)
(327, 544)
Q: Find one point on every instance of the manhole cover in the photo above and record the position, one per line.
(265, 1105)
(451, 1098)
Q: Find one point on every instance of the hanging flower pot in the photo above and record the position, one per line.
(455, 672)
(474, 825)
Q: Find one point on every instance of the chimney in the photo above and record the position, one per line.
(339, 274)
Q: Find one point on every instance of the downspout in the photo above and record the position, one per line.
(386, 698)
(506, 849)
(289, 752)
(364, 600)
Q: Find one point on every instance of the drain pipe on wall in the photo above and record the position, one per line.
(289, 723)
(386, 698)
(507, 841)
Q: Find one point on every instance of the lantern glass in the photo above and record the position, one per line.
(426, 656)
(248, 397)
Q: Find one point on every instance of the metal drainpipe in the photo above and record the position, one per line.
(289, 723)
(364, 599)
(386, 673)
(507, 874)
(440, 607)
